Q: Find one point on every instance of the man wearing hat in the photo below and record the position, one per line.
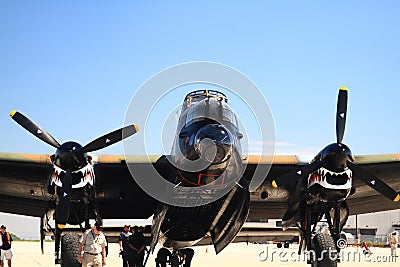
(92, 247)
(5, 242)
(123, 243)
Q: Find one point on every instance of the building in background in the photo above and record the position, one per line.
(376, 226)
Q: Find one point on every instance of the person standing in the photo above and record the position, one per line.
(123, 244)
(92, 247)
(393, 244)
(6, 253)
(136, 247)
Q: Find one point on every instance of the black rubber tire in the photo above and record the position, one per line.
(323, 246)
(69, 250)
(174, 261)
(279, 245)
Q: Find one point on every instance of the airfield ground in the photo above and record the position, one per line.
(28, 254)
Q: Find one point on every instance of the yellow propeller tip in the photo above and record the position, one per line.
(136, 127)
(397, 198)
(61, 226)
(344, 88)
(274, 184)
(12, 113)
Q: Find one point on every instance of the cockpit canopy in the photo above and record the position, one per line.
(206, 104)
(199, 95)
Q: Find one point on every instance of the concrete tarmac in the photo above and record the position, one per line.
(29, 254)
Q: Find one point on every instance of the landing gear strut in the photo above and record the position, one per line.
(320, 225)
(69, 242)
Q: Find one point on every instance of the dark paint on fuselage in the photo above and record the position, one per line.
(206, 115)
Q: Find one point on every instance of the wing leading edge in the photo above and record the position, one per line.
(24, 177)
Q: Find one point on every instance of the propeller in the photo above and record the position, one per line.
(70, 157)
(298, 174)
(374, 182)
(97, 144)
(304, 171)
(110, 138)
(34, 129)
(63, 207)
(341, 112)
(337, 156)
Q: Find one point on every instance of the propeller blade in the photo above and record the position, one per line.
(63, 207)
(290, 212)
(294, 201)
(33, 128)
(110, 138)
(374, 182)
(298, 174)
(341, 113)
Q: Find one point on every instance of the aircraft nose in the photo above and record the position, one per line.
(211, 151)
(213, 143)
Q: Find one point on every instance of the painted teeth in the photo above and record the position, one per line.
(58, 170)
(87, 176)
(85, 169)
(323, 172)
(56, 174)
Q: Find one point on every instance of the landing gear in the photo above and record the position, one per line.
(69, 250)
(320, 224)
(83, 206)
(181, 257)
(325, 251)
(284, 244)
(163, 256)
(57, 245)
(42, 234)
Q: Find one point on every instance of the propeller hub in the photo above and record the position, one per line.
(68, 146)
(336, 156)
(69, 156)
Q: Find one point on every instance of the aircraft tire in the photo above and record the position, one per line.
(325, 251)
(174, 261)
(69, 250)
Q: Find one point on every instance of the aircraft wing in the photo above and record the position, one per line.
(24, 177)
(23, 183)
(365, 200)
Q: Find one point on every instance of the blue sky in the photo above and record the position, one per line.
(73, 66)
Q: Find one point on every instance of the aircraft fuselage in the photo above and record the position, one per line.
(206, 152)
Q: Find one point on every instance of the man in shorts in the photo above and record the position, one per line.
(5, 242)
(92, 247)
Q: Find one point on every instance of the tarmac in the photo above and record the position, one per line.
(241, 254)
